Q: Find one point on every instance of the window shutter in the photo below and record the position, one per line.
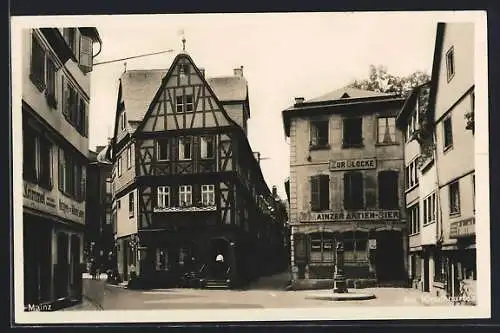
(313, 134)
(347, 191)
(358, 189)
(85, 60)
(315, 193)
(324, 192)
(61, 170)
(85, 120)
(83, 182)
(66, 98)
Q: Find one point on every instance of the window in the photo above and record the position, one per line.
(353, 190)
(448, 136)
(163, 150)
(123, 120)
(450, 64)
(163, 197)
(429, 209)
(388, 190)
(37, 160)
(439, 268)
(414, 218)
(185, 195)
(129, 157)
(118, 204)
(320, 193)
(355, 247)
(352, 132)
(119, 166)
(387, 130)
(412, 174)
(37, 70)
(70, 37)
(454, 191)
(75, 109)
(72, 176)
(473, 193)
(185, 148)
(319, 133)
(322, 248)
(50, 91)
(131, 204)
(208, 195)
(207, 147)
(184, 103)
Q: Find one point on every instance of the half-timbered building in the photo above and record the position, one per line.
(188, 189)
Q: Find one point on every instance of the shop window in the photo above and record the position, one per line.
(163, 196)
(353, 132)
(207, 147)
(322, 247)
(353, 190)
(320, 192)
(439, 268)
(185, 147)
(387, 130)
(355, 247)
(163, 149)
(319, 134)
(185, 195)
(161, 259)
(388, 190)
(454, 193)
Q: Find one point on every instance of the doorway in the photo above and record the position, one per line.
(76, 274)
(62, 265)
(219, 258)
(390, 261)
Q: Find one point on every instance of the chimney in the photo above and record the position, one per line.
(238, 71)
(202, 70)
(275, 191)
(299, 100)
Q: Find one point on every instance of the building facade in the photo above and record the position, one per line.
(55, 98)
(187, 185)
(446, 139)
(346, 185)
(99, 233)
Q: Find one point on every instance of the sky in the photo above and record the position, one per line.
(284, 56)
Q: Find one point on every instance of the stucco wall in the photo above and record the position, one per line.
(126, 225)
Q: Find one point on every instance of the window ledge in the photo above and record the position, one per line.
(448, 148)
(382, 144)
(455, 214)
(411, 188)
(414, 234)
(319, 147)
(428, 223)
(355, 145)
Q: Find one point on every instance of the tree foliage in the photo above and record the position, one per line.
(380, 80)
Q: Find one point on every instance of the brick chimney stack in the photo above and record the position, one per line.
(238, 71)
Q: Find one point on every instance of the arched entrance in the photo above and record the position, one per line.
(218, 261)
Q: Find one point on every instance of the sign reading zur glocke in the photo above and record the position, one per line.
(366, 215)
(353, 164)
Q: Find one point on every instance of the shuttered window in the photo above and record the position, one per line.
(388, 189)
(353, 190)
(320, 192)
(37, 69)
(85, 54)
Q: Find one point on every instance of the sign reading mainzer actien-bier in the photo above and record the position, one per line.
(354, 164)
(366, 215)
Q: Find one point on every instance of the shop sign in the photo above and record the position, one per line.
(366, 215)
(353, 164)
(53, 203)
(463, 228)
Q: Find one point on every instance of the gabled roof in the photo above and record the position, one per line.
(139, 87)
(229, 88)
(347, 93)
(336, 99)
